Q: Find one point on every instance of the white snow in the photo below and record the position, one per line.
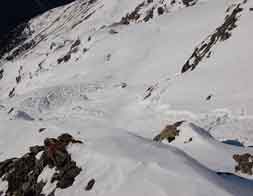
(85, 98)
(3, 186)
(45, 177)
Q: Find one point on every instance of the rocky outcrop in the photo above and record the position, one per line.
(244, 163)
(222, 33)
(169, 132)
(148, 9)
(22, 173)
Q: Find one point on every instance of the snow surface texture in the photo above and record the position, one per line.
(115, 86)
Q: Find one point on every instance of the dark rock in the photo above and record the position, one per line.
(75, 44)
(85, 50)
(91, 1)
(36, 149)
(108, 57)
(189, 2)
(169, 132)
(74, 50)
(160, 10)
(42, 129)
(173, 2)
(5, 166)
(244, 163)
(67, 175)
(53, 44)
(1, 73)
(50, 141)
(133, 16)
(123, 85)
(65, 138)
(90, 185)
(208, 98)
(188, 141)
(149, 92)
(178, 123)
(150, 15)
(224, 173)
(11, 110)
(17, 175)
(18, 79)
(12, 93)
(65, 58)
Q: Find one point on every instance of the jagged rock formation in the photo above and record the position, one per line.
(148, 9)
(222, 33)
(22, 174)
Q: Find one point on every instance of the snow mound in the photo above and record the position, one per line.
(201, 145)
(128, 164)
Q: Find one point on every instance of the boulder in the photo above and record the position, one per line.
(244, 163)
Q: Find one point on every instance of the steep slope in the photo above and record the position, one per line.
(103, 72)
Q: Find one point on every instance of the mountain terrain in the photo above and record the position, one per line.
(91, 84)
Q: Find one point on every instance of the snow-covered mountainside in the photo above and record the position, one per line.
(112, 74)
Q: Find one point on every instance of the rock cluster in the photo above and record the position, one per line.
(133, 16)
(222, 33)
(148, 9)
(22, 174)
(67, 56)
(244, 163)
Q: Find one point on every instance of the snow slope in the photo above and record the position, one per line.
(119, 85)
